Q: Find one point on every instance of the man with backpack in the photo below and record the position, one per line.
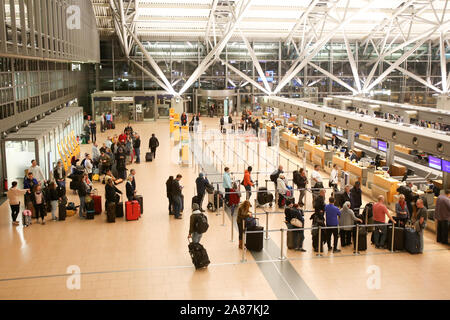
(198, 224)
(153, 144)
(276, 174)
(201, 182)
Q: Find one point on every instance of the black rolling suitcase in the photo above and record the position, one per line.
(199, 255)
(399, 238)
(149, 157)
(140, 199)
(362, 239)
(62, 213)
(412, 241)
(263, 196)
(111, 212)
(292, 238)
(254, 241)
(119, 210)
(90, 210)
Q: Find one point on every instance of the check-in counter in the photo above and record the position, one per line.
(403, 149)
(284, 140)
(356, 172)
(296, 143)
(308, 147)
(384, 186)
(397, 170)
(341, 162)
(321, 156)
(365, 137)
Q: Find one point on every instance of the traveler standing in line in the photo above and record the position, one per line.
(243, 213)
(193, 234)
(248, 183)
(292, 211)
(53, 197)
(346, 222)
(177, 197)
(59, 174)
(130, 190)
(442, 216)
(227, 183)
(37, 172)
(201, 182)
(111, 193)
(121, 163)
(282, 190)
(301, 180)
(234, 198)
(356, 197)
(347, 194)
(153, 144)
(137, 147)
(319, 203)
(276, 174)
(407, 192)
(105, 163)
(83, 191)
(38, 199)
(14, 196)
(93, 127)
(256, 124)
(332, 213)
(95, 155)
(316, 181)
(169, 194)
(421, 221)
(401, 211)
(88, 166)
(379, 217)
(334, 178)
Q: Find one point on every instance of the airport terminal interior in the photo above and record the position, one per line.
(313, 136)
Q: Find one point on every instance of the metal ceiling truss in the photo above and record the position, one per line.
(308, 35)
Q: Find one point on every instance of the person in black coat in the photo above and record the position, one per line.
(319, 203)
(356, 198)
(111, 192)
(169, 194)
(121, 162)
(93, 127)
(293, 211)
(183, 119)
(201, 183)
(130, 190)
(153, 144)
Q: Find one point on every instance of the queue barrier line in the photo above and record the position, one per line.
(319, 242)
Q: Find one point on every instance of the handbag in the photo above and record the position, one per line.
(296, 222)
(250, 222)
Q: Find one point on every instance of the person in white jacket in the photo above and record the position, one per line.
(88, 166)
(282, 190)
(37, 172)
(334, 178)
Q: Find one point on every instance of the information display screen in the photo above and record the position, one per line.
(374, 143)
(340, 132)
(382, 145)
(333, 130)
(434, 163)
(446, 166)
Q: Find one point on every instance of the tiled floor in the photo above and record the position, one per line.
(148, 259)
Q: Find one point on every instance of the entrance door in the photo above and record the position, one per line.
(123, 112)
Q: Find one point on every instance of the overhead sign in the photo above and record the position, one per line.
(122, 99)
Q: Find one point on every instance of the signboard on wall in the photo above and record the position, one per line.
(122, 99)
(139, 108)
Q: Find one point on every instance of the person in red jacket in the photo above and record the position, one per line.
(123, 138)
(248, 183)
(234, 198)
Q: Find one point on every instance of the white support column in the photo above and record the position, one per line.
(350, 139)
(443, 61)
(390, 153)
(352, 63)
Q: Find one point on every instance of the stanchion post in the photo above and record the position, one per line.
(244, 239)
(217, 199)
(267, 226)
(232, 229)
(255, 202)
(319, 242)
(356, 251)
(392, 242)
(223, 213)
(282, 257)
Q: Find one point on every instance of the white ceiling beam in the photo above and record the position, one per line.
(246, 77)
(351, 59)
(211, 16)
(396, 64)
(256, 62)
(152, 62)
(300, 21)
(416, 77)
(333, 77)
(292, 72)
(159, 82)
(218, 48)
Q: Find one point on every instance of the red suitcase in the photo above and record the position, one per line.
(132, 210)
(97, 204)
